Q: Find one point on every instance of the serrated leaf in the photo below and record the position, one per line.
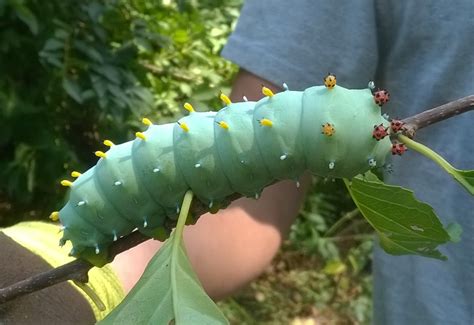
(404, 224)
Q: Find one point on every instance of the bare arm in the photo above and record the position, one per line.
(232, 247)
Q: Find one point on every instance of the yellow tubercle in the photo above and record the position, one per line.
(328, 129)
(267, 91)
(54, 216)
(75, 174)
(66, 183)
(184, 126)
(225, 99)
(330, 81)
(100, 154)
(266, 122)
(189, 107)
(146, 121)
(223, 125)
(108, 143)
(141, 136)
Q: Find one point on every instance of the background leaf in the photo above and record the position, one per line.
(25, 14)
(404, 224)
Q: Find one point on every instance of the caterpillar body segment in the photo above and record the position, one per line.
(197, 158)
(155, 162)
(238, 150)
(281, 146)
(242, 148)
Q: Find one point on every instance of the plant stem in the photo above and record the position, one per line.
(348, 216)
(183, 215)
(177, 242)
(427, 152)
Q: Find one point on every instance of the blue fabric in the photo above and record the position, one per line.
(423, 53)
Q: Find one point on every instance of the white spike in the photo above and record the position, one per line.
(285, 86)
(372, 162)
(298, 184)
(331, 165)
(115, 236)
(156, 170)
(211, 204)
(97, 249)
(197, 165)
(118, 183)
(81, 203)
(283, 157)
(177, 209)
(145, 223)
(245, 99)
(371, 85)
(242, 161)
(257, 195)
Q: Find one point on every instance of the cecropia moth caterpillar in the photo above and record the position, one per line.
(329, 130)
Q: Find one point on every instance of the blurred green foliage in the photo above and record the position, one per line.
(73, 73)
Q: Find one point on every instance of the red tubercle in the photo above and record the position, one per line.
(379, 132)
(399, 149)
(396, 125)
(381, 96)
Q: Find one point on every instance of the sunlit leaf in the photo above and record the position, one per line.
(334, 267)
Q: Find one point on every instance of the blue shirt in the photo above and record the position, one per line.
(423, 53)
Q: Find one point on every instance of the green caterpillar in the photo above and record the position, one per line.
(329, 130)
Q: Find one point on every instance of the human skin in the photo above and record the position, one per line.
(231, 248)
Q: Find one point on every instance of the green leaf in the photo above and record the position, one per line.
(404, 224)
(168, 290)
(181, 36)
(53, 44)
(25, 14)
(334, 267)
(73, 90)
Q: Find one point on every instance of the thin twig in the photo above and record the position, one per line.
(78, 269)
(437, 114)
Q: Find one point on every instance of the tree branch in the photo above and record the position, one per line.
(437, 114)
(78, 269)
